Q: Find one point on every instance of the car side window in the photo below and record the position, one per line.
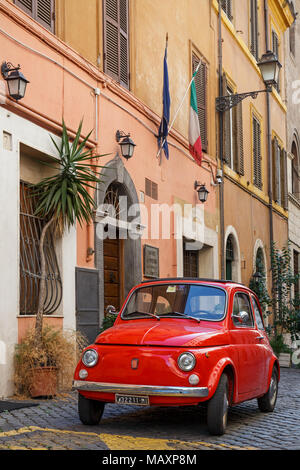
(242, 306)
(257, 314)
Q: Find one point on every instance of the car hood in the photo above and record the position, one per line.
(165, 332)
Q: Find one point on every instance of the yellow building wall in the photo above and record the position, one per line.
(150, 20)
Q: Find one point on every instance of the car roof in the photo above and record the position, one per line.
(193, 279)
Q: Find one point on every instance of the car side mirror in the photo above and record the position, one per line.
(241, 317)
(111, 310)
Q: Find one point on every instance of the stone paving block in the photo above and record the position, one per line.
(55, 424)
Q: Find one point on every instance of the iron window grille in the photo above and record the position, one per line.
(30, 270)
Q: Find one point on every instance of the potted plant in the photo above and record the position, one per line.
(62, 200)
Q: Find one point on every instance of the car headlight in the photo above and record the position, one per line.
(186, 361)
(90, 358)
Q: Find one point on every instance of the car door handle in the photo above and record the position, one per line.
(259, 337)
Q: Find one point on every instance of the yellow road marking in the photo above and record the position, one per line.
(121, 442)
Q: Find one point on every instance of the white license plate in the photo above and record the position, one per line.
(131, 400)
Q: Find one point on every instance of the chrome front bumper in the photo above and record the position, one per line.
(127, 389)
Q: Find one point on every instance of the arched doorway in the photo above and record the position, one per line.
(229, 257)
(113, 247)
(232, 255)
(116, 251)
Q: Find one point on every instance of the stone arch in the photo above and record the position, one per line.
(116, 174)
(231, 235)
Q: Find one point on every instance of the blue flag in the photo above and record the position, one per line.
(163, 128)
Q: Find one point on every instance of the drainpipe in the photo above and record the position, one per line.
(221, 123)
(269, 139)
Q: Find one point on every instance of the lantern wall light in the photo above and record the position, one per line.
(269, 67)
(127, 145)
(202, 191)
(16, 81)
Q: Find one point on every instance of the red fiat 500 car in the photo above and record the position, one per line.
(181, 342)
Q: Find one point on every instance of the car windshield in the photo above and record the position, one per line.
(197, 302)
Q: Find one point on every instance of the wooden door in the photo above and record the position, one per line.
(113, 273)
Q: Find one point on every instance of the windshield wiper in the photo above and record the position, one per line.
(183, 315)
(144, 313)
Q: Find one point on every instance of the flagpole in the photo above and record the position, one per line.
(180, 106)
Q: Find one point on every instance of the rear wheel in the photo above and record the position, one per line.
(267, 402)
(90, 411)
(217, 408)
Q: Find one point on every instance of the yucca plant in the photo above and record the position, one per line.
(63, 199)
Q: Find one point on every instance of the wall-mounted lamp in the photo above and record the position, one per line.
(126, 144)
(202, 191)
(16, 81)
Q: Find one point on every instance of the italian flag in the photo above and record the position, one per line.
(194, 127)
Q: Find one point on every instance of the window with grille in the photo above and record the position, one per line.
(254, 28)
(30, 269)
(151, 189)
(43, 11)
(201, 90)
(190, 262)
(116, 40)
(257, 161)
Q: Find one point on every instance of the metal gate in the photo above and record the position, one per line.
(87, 303)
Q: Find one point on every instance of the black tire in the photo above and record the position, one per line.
(217, 408)
(267, 402)
(90, 411)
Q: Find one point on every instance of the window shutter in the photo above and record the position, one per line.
(116, 46)
(124, 52)
(276, 171)
(275, 46)
(227, 7)
(257, 174)
(254, 28)
(201, 90)
(284, 183)
(43, 11)
(238, 142)
(226, 127)
(26, 5)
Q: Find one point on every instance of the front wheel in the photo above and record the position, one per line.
(90, 411)
(217, 408)
(267, 402)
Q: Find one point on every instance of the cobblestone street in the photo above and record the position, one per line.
(54, 425)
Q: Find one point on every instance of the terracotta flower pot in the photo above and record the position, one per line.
(44, 382)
